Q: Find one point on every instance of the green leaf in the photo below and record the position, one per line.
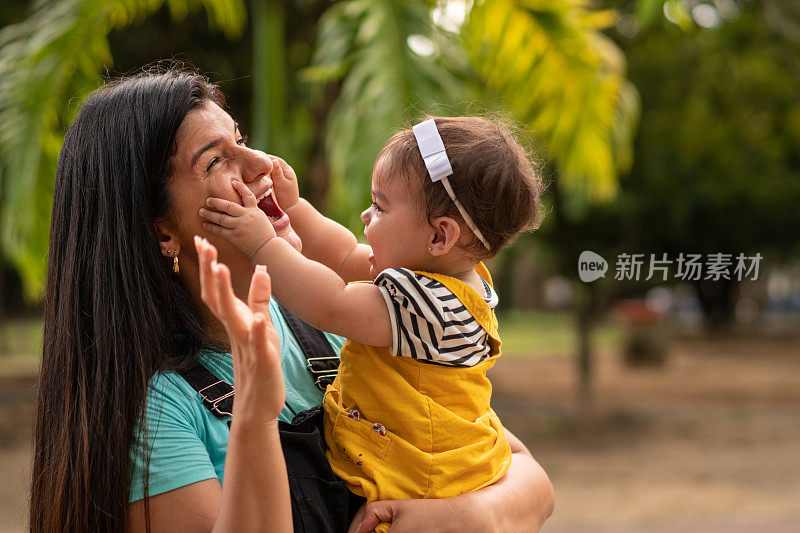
(648, 11)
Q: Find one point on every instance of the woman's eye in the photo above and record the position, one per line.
(212, 163)
(241, 141)
(376, 207)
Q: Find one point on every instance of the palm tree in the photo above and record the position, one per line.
(364, 46)
(544, 62)
(47, 63)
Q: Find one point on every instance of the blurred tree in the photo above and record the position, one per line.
(717, 154)
(564, 80)
(11, 292)
(717, 163)
(718, 167)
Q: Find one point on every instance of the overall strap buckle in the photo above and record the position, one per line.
(215, 395)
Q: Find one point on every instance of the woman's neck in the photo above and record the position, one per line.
(215, 331)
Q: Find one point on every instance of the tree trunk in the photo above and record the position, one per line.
(268, 23)
(585, 315)
(584, 305)
(316, 184)
(717, 299)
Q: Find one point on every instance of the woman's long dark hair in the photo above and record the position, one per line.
(112, 305)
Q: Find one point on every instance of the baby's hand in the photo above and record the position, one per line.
(284, 181)
(246, 226)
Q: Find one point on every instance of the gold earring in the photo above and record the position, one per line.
(430, 248)
(175, 268)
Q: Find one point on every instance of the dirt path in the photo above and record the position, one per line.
(16, 409)
(708, 444)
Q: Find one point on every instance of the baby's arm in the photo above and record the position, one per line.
(309, 289)
(324, 240)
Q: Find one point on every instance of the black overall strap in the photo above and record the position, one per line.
(217, 394)
(323, 361)
(321, 502)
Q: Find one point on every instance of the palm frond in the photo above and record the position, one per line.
(384, 84)
(564, 80)
(48, 63)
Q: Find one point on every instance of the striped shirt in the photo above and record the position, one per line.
(429, 322)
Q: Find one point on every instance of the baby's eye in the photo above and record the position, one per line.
(212, 163)
(241, 141)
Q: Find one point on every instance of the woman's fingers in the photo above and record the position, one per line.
(206, 255)
(234, 317)
(356, 522)
(375, 513)
(260, 291)
(258, 300)
(263, 343)
(212, 250)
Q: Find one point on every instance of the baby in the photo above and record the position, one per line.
(408, 415)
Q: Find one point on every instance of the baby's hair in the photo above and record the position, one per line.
(493, 178)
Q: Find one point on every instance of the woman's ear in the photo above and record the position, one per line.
(445, 235)
(168, 240)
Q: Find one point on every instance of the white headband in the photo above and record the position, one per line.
(432, 149)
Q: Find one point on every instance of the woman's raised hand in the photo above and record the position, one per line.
(255, 346)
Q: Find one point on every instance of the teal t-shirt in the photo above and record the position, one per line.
(188, 442)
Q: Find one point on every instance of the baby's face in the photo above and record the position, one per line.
(394, 224)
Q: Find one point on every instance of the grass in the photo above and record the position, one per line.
(532, 333)
(524, 333)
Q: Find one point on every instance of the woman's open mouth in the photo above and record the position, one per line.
(269, 205)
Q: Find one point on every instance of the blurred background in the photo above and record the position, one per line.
(663, 395)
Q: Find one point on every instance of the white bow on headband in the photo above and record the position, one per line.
(436, 161)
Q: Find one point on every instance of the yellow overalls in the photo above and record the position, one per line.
(441, 436)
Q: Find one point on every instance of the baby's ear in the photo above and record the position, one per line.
(445, 235)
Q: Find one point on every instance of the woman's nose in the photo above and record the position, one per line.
(256, 164)
(365, 215)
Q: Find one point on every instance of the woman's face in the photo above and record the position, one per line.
(211, 154)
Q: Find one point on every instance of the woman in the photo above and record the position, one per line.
(115, 422)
